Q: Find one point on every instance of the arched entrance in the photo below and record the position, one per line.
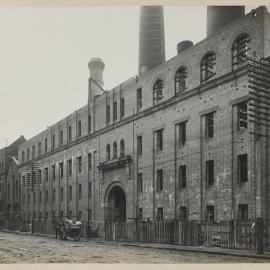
(116, 204)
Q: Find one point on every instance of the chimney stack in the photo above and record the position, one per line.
(96, 67)
(151, 39)
(219, 16)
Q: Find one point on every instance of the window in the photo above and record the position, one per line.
(53, 195)
(40, 196)
(80, 191)
(90, 190)
(139, 183)
(242, 168)
(53, 172)
(69, 133)
(183, 213)
(80, 215)
(108, 152)
(46, 145)
(160, 213)
(159, 180)
(33, 151)
(89, 123)
(108, 114)
(243, 212)
(159, 140)
(70, 167)
(46, 175)
(61, 140)
(79, 162)
(61, 194)
(115, 111)
(23, 180)
(70, 193)
(158, 90)
(182, 176)
(115, 150)
(240, 48)
(208, 66)
(210, 213)
(242, 115)
(180, 80)
(122, 148)
(46, 215)
(209, 125)
(23, 156)
(79, 128)
(39, 148)
(53, 141)
(140, 213)
(89, 161)
(209, 172)
(181, 128)
(139, 99)
(122, 107)
(23, 198)
(39, 176)
(139, 145)
(47, 196)
(28, 154)
(61, 169)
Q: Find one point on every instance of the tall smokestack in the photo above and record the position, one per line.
(151, 40)
(219, 16)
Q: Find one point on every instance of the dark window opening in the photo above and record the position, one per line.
(158, 90)
(139, 145)
(208, 66)
(80, 191)
(89, 161)
(79, 129)
(90, 190)
(182, 134)
(115, 111)
(46, 174)
(183, 213)
(243, 212)
(180, 80)
(209, 173)
(69, 133)
(39, 148)
(139, 99)
(140, 213)
(242, 168)
(61, 169)
(89, 123)
(210, 213)
(46, 145)
(182, 176)
(122, 107)
(53, 195)
(108, 152)
(61, 137)
(159, 140)
(33, 151)
(115, 150)
(79, 163)
(160, 213)
(70, 167)
(53, 172)
(159, 180)
(122, 148)
(209, 125)
(53, 141)
(139, 183)
(70, 193)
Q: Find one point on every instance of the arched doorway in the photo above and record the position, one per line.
(116, 204)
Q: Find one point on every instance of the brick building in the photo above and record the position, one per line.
(172, 143)
(7, 168)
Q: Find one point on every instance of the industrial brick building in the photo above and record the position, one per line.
(171, 143)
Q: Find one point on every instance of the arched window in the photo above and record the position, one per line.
(108, 152)
(158, 90)
(208, 66)
(180, 80)
(115, 150)
(122, 148)
(28, 154)
(69, 133)
(240, 47)
(39, 148)
(33, 151)
(23, 156)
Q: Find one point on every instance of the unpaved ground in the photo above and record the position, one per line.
(15, 248)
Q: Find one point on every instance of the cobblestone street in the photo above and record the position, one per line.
(15, 248)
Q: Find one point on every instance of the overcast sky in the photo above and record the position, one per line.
(44, 54)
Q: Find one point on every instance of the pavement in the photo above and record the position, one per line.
(200, 249)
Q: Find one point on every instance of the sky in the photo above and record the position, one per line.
(44, 53)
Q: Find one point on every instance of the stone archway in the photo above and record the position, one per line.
(116, 204)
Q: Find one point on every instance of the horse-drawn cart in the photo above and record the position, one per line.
(69, 228)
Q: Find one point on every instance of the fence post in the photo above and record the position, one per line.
(259, 235)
